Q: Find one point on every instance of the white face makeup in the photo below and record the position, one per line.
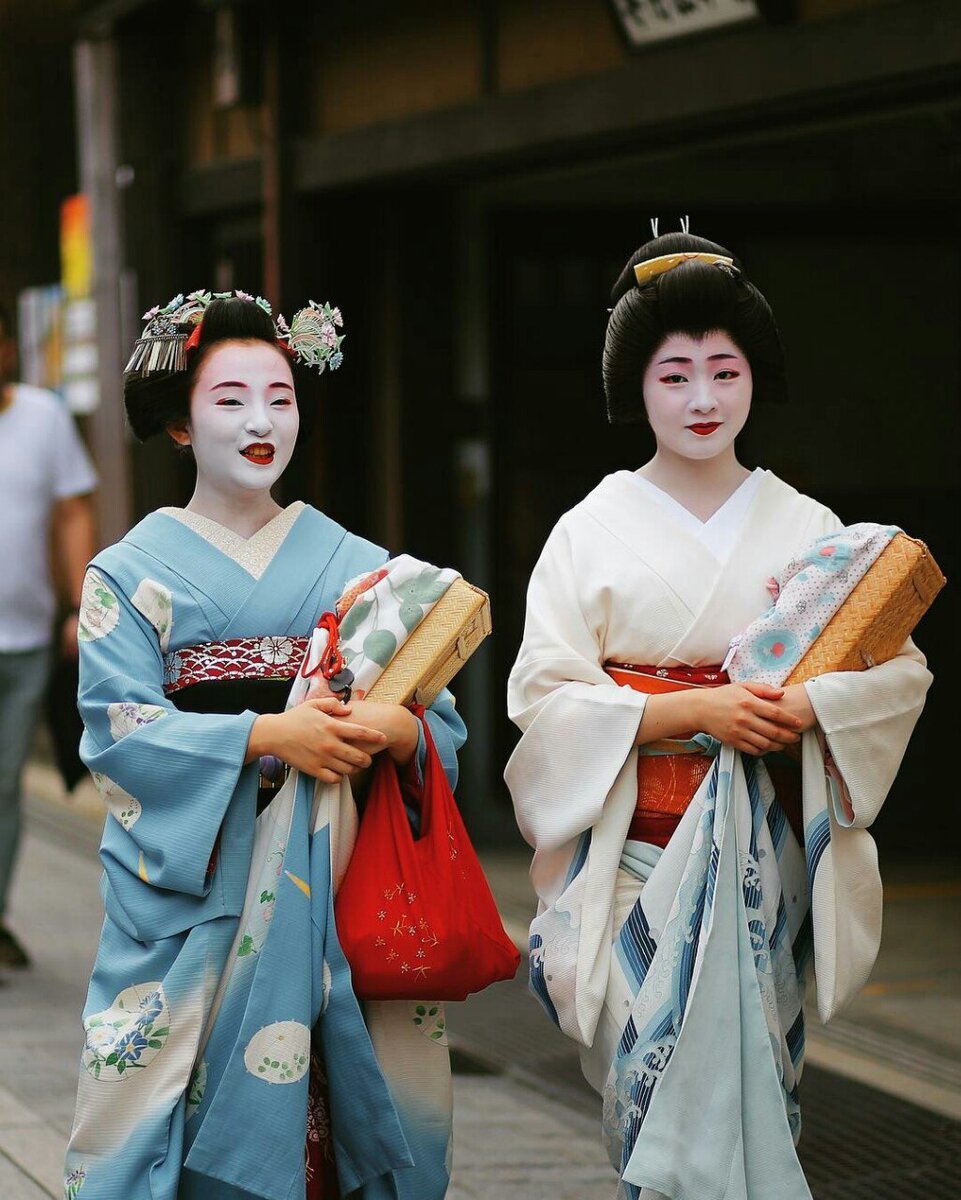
(697, 392)
(243, 419)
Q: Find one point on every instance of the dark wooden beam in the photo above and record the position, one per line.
(747, 74)
(751, 77)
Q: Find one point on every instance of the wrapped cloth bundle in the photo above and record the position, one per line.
(406, 630)
(848, 602)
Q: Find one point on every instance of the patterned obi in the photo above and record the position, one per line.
(272, 657)
(235, 676)
(670, 771)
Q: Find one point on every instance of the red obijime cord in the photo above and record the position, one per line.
(331, 665)
(331, 661)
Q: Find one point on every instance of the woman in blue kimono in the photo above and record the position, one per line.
(214, 1053)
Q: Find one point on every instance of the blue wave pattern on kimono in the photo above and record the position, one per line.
(155, 1116)
(730, 1026)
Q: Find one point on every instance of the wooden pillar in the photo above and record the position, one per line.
(281, 210)
(274, 175)
(95, 68)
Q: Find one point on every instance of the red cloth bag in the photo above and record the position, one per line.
(415, 917)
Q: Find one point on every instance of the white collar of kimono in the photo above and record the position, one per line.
(253, 554)
(718, 596)
(720, 531)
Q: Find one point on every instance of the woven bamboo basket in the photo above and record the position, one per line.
(437, 649)
(874, 622)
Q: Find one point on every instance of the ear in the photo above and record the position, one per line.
(180, 432)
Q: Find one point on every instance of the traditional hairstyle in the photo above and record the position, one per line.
(693, 297)
(158, 397)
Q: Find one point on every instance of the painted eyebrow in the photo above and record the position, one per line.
(711, 358)
(236, 383)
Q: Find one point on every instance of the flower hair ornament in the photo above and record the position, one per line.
(173, 331)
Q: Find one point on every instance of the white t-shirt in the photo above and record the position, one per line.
(42, 460)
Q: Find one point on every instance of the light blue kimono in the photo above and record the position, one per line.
(198, 1033)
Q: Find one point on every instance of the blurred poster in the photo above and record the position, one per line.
(40, 330)
(646, 21)
(80, 386)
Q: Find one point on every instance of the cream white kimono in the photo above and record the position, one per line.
(623, 579)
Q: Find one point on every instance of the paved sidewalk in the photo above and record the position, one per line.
(56, 907)
(884, 1114)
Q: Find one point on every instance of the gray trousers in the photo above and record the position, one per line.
(23, 679)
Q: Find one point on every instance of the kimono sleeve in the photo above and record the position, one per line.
(578, 726)
(449, 732)
(166, 777)
(867, 718)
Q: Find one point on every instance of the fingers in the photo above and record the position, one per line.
(773, 733)
(774, 714)
(346, 758)
(764, 710)
(327, 776)
(349, 732)
(331, 706)
(754, 744)
(763, 690)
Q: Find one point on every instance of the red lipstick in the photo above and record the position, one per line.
(261, 453)
(703, 429)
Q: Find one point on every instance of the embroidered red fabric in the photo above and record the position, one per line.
(416, 918)
(321, 1172)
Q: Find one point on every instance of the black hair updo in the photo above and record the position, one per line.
(162, 398)
(695, 298)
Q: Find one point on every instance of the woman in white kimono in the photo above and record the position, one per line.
(226, 1055)
(680, 891)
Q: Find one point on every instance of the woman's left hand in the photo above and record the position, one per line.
(795, 701)
(397, 723)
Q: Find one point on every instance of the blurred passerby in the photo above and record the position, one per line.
(45, 485)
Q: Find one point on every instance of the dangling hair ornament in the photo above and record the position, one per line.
(173, 331)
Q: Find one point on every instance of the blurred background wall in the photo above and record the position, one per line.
(465, 179)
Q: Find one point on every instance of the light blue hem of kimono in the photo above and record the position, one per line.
(723, 1057)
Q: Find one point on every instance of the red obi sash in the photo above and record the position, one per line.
(666, 781)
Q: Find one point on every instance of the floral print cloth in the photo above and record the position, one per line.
(805, 595)
(378, 612)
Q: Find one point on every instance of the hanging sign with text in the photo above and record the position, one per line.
(646, 21)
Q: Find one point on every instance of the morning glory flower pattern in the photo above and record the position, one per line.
(127, 1036)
